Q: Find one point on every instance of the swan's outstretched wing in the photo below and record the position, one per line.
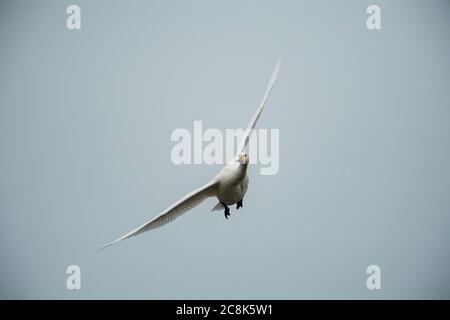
(186, 203)
(252, 123)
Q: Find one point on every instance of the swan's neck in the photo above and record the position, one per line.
(242, 169)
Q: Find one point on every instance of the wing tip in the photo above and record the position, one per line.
(278, 66)
(106, 245)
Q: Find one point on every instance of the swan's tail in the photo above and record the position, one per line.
(218, 207)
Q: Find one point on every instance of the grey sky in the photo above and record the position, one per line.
(85, 124)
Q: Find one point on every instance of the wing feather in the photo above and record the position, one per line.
(254, 119)
(186, 203)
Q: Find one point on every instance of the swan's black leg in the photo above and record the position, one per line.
(227, 210)
(239, 205)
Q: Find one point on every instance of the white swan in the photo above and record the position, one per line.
(229, 185)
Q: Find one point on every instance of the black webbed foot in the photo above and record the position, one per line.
(239, 205)
(227, 210)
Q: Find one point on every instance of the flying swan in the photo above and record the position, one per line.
(229, 185)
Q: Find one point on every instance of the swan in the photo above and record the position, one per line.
(229, 186)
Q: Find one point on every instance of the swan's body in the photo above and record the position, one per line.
(233, 183)
(229, 186)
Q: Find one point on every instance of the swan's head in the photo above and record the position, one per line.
(243, 158)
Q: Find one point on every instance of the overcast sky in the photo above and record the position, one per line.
(86, 118)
